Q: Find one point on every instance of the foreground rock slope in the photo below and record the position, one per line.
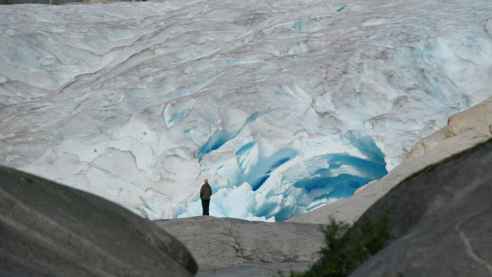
(233, 247)
(47, 229)
(441, 221)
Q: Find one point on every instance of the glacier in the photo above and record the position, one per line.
(283, 105)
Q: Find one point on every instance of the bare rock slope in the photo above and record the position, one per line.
(441, 220)
(233, 247)
(47, 229)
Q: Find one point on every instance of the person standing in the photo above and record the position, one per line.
(205, 194)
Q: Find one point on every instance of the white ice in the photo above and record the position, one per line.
(282, 105)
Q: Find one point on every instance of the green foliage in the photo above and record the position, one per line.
(348, 247)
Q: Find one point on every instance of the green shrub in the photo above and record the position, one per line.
(348, 247)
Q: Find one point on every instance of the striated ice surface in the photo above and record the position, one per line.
(283, 105)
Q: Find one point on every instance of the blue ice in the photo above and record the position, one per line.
(214, 142)
(317, 181)
(257, 173)
(221, 137)
(331, 176)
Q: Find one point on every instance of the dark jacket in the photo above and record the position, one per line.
(205, 192)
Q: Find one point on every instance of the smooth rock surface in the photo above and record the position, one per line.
(476, 119)
(441, 221)
(225, 246)
(49, 230)
(256, 270)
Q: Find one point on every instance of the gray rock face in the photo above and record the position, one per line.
(256, 270)
(233, 247)
(441, 219)
(50, 230)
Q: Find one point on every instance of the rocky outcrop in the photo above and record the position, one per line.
(441, 220)
(233, 247)
(47, 229)
(464, 131)
(476, 120)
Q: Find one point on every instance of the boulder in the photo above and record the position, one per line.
(47, 229)
(440, 220)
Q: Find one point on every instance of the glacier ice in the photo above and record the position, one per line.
(283, 105)
(277, 186)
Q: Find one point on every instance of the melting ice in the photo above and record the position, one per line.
(283, 105)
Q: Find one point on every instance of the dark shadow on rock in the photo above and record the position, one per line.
(47, 229)
(440, 219)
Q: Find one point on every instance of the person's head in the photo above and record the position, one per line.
(206, 181)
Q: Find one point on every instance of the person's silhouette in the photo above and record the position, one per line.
(205, 194)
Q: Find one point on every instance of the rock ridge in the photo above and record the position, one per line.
(234, 247)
